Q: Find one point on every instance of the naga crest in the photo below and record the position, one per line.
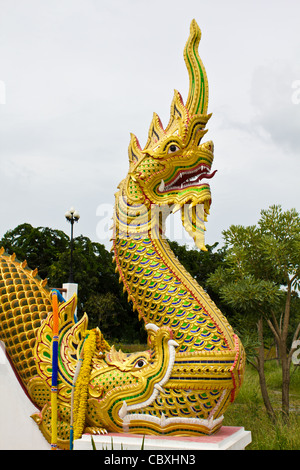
(172, 172)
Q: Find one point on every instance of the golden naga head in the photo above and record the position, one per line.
(174, 168)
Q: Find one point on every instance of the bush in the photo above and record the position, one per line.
(248, 411)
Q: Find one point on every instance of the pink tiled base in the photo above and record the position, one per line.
(228, 437)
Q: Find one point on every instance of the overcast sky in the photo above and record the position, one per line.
(77, 76)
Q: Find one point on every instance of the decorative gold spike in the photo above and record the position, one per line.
(156, 131)
(24, 264)
(178, 115)
(197, 100)
(206, 207)
(134, 150)
(201, 133)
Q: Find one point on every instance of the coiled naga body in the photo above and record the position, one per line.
(194, 366)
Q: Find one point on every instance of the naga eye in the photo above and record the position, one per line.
(140, 363)
(173, 148)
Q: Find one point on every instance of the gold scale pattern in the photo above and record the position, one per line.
(24, 304)
(161, 298)
(173, 403)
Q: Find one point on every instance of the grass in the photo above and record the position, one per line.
(248, 411)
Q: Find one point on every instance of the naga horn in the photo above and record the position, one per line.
(197, 100)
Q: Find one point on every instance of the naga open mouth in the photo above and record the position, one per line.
(158, 387)
(187, 178)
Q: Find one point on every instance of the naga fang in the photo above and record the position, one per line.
(195, 363)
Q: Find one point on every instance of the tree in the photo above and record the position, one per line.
(93, 269)
(260, 279)
(103, 310)
(40, 246)
(99, 293)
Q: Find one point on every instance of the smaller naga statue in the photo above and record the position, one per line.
(194, 365)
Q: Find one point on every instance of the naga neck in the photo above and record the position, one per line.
(160, 288)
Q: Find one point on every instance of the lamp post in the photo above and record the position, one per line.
(72, 216)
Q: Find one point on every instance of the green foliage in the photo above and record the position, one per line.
(270, 250)
(281, 243)
(260, 280)
(103, 308)
(40, 246)
(259, 263)
(246, 293)
(93, 443)
(93, 269)
(99, 292)
(248, 411)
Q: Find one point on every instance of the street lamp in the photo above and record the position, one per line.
(72, 216)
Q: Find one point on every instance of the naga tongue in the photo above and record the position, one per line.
(200, 177)
(207, 175)
(185, 181)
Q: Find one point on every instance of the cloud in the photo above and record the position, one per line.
(81, 75)
(277, 113)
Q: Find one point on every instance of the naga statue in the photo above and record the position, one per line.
(194, 365)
